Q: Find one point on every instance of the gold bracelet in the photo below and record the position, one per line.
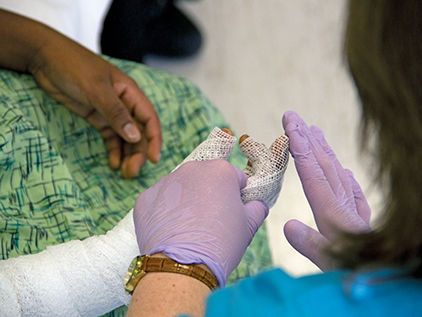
(145, 264)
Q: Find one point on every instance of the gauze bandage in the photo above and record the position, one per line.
(265, 176)
(218, 145)
(85, 278)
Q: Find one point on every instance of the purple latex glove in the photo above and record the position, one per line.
(335, 197)
(196, 215)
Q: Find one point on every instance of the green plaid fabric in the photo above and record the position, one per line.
(55, 182)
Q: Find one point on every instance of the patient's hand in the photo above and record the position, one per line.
(265, 169)
(102, 94)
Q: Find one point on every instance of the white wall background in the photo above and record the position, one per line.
(260, 58)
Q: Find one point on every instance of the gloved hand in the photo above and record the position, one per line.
(201, 213)
(335, 197)
(196, 215)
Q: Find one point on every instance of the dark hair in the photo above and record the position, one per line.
(384, 52)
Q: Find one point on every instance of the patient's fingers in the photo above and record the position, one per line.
(218, 145)
(279, 152)
(248, 168)
(266, 171)
(243, 138)
(253, 150)
(228, 131)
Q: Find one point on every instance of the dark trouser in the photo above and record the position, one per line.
(133, 29)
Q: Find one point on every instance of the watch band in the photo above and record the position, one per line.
(152, 264)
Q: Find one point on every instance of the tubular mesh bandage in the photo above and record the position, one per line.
(265, 176)
(218, 145)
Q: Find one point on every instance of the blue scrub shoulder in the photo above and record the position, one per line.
(337, 293)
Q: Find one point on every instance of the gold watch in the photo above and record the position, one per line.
(141, 265)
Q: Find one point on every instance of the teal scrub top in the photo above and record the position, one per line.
(337, 293)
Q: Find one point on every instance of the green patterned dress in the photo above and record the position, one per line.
(55, 181)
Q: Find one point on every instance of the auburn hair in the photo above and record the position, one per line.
(384, 52)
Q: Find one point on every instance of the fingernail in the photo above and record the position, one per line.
(227, 130)
(132, 132)
(243, 138)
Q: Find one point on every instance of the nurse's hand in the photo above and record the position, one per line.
(196, 215)
(336, 199)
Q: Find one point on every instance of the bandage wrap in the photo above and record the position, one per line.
(85, 278)
(265, 176)
(218, 145)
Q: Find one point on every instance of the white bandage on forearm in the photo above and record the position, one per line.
(265, 176)
(77, 278)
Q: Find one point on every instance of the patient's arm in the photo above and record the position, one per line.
(75, 278)
(86, 84)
